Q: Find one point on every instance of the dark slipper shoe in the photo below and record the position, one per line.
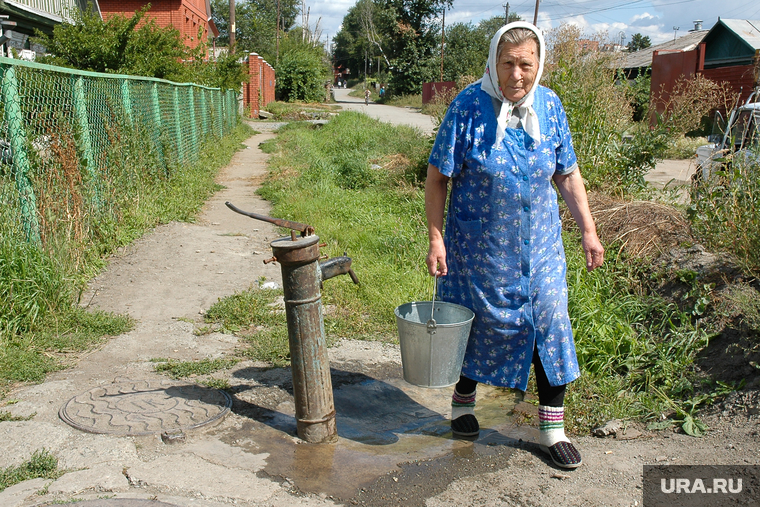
(564, 455)
(465, 426)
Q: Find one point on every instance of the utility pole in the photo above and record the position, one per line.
(506, 13)
(675, 31)
(535, 15)
(277, 35)
(232, 26)
(443, 39)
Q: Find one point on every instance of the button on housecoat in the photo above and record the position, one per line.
(503, 238)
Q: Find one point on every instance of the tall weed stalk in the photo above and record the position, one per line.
(725, 210)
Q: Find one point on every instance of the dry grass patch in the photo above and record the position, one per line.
(641, 228)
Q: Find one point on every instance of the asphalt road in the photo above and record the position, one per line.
(391, 114)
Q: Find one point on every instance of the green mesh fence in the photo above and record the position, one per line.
(73, 143)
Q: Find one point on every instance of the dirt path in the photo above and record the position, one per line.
(394, 446)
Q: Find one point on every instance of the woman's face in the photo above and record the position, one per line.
(516, 69)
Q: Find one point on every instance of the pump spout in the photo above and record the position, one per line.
(337, 266)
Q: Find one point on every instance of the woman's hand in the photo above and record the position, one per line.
(574, 193)
(593, 249)
(436, 259)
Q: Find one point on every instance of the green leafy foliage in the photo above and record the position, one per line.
(134, 46)
(182, 369)
(255, 24)
(612, 151)
(467, 47)
(301, 75)
(39, 315)
(41, 464)
(725, 210)
(638, 42)
(403, 33)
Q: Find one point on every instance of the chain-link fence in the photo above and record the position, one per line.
(73, 143)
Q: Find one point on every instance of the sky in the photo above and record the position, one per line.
(656, 19)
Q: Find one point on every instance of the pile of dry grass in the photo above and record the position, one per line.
(640, 228)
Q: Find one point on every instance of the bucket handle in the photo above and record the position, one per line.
(431, 324)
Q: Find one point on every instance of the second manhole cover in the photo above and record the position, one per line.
(145, 407)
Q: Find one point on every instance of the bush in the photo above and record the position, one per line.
(301, 76)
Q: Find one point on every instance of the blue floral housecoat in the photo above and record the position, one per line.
(503, 238)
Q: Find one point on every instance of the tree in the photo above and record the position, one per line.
(301, 75)
(467, 47)
(255, 24)
(404, 33)
(638, 42)
(134, 46)
(89, 43)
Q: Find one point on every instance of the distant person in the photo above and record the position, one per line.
(503, 142)
(382, 91)
(366, 96)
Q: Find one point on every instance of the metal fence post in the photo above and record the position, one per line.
(126, 100)
(195, 146)
(178, 126)
(204, 111)
(21, 167)
(158, 124)
(80, 106)
(220, 112)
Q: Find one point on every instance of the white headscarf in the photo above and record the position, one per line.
(489, 83)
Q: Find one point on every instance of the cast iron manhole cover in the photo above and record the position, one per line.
(145, 407)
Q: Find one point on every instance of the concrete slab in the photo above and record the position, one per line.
(191, 475)
(16, 495)
(671, 173)
(102, 479)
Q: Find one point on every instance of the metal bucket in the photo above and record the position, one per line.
(433, 357)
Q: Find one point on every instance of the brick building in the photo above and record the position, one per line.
(192, 18)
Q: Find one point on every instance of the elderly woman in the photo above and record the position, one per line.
(503, 141)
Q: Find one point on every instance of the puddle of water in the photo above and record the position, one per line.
(381, 425)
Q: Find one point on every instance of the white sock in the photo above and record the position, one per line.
(551, 425)
(462, 404)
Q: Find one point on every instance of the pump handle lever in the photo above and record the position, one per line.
(305, 230)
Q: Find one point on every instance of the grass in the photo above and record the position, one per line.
(256, 317)
(183, 369)
(42, 464)
(41, 323)
(636, 350)
(6, 416)
(288, 111)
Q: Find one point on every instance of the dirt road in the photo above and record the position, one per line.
(113, 422)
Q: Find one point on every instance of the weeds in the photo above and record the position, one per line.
(256, 316)
(182, 369)
(6, 416)
(725, 211)
(41, 464)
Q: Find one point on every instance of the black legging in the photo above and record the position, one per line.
(548, 395)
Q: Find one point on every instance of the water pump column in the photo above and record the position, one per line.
(312, 385)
